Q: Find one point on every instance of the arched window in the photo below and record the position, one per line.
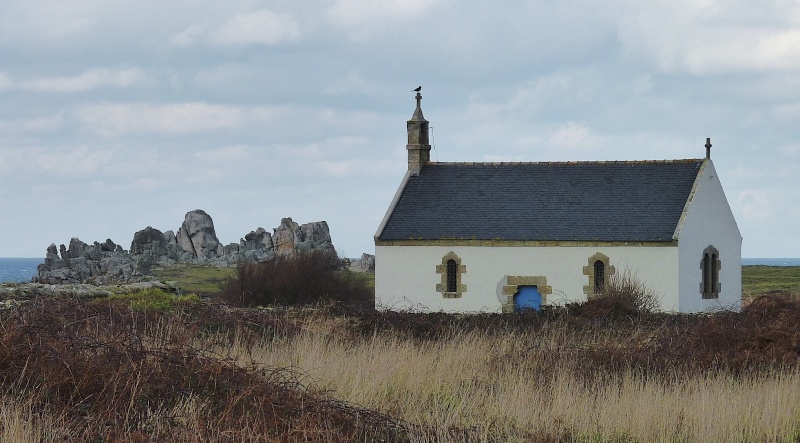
(599, 277)
(599, 271)
(451, 271)
(710, 265)
(714, 273)
(452, 274)
(706, 274)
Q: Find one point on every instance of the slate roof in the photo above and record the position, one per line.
(572, 201)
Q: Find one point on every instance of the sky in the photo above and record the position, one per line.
(118, 115)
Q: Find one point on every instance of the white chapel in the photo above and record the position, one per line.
(496, 237)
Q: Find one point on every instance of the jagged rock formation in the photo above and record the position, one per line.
(151, 246)
(196, 242)
(290, 236)
(82, 261)
(197, 237)
(364, 264)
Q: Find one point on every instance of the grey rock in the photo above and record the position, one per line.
(108, 246)
(364, 264)
(197, 236)
(169, 237)
(286, 236)
(148, 239)
(151, 247)
(290, 237)
(82, 263)
(317, 234)
(195, 242)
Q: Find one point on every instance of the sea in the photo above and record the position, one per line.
(20, 270)
(771, 262)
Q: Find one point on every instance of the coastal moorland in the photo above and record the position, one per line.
(225, 360)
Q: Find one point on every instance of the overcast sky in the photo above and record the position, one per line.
(118, 115)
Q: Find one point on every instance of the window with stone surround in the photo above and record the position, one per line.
(599, 276)
(710, 287)
(452, 274)
(451, 270)
(599, 271)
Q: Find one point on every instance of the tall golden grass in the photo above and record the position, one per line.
(520, 387)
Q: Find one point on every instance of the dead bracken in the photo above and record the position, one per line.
(107, 371)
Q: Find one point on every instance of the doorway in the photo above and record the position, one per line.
(527, 297)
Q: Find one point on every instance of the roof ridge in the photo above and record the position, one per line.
(578, 162)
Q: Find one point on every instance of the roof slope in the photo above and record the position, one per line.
(574, 201)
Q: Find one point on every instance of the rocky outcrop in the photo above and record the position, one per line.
(197, 237)
(152, 247)
(255, 246)
(364, 264)
(290, 236)
(81, 262)
(196, 242)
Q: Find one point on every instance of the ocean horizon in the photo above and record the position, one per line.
(771, 262)
(18, 270)
(22, 269)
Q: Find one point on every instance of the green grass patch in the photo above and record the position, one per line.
(205, 280)
(760, 280)
(367, 278)
(155, 299)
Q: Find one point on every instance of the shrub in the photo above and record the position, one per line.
(304, 278)
(623, 294)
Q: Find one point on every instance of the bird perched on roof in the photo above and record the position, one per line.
(418, 88)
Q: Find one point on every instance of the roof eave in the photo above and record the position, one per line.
(521, 243)
(392, 205)
(689, 199)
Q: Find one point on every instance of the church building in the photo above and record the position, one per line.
(499, 237)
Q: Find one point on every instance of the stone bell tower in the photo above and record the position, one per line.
(419, 150)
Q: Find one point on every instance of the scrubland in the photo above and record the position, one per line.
(119, 370)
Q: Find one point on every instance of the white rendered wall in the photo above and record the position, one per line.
(406, 278)
(709, 222)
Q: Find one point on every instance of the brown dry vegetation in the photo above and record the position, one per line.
(100, 371)
(301, 279)
(121, 370)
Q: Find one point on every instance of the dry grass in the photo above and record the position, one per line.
(525, 387)
(100, 371)
(20, 423)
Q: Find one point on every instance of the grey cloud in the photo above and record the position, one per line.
(115, 115)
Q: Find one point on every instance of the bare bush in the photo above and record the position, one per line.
(623, 294)
(301, 279)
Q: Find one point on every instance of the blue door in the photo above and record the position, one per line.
(527, 297)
